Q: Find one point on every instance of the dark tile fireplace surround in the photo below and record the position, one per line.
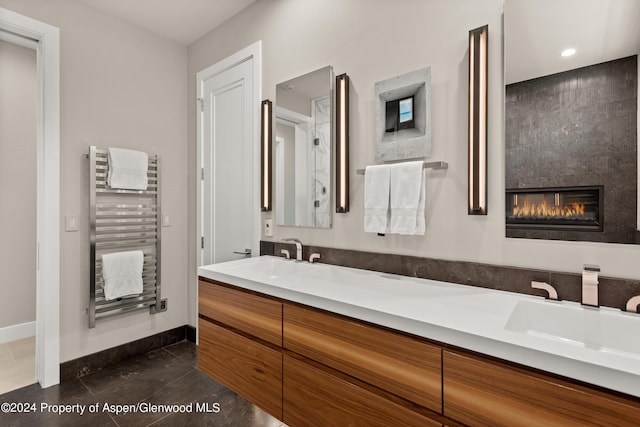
(575, 129)
(613, 292)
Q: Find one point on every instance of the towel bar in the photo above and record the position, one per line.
(121, 220)
(426, 165)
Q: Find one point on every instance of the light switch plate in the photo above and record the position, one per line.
(166, 221)
(268, 227)
(72, 222)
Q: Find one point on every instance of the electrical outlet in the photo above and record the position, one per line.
(163, 305)
(268, 227)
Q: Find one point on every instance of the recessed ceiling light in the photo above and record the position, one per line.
(568, 52)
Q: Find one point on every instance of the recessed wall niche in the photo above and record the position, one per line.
(403, 116)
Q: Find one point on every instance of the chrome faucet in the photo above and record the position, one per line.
(633, 303)
(298, 247)
(590, 285)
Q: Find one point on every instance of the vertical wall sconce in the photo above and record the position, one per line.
(266, 142)
(478, 66)
(342, 143)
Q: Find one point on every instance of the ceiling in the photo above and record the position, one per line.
(537, 31)
(183, 21)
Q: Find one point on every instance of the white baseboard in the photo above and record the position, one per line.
(16, 332)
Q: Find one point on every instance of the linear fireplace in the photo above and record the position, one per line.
(559, 208)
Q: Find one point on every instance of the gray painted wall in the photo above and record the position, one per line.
(120, 86)
(373, 41)
(18, 127)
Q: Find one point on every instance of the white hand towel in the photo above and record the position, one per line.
(127, 169)
(407, 198)
(122, 274)
(376, 199)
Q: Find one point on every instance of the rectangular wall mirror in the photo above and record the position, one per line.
(302, 150)
(571, 119)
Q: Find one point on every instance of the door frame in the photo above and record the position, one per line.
(252, 52)
(48, 191)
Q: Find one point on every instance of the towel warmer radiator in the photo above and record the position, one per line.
(123, 220)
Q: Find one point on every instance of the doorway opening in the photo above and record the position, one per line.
(18, 135)
(14, 26)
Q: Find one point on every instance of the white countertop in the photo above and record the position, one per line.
(470, 317)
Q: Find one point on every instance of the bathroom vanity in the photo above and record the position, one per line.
(313, 343)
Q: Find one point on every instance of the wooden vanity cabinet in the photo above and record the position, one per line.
(328, 358)
(479, 391)
(402, 365)
(240, 343)
(335, 371)
(315, 397)
(252, 370)
(248, 313)
(307, 366)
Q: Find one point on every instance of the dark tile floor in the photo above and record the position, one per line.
(167, 376)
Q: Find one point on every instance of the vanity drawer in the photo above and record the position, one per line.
(249, 313)
(483, 392)
(401, 365)
(313, 397)
(248, 368)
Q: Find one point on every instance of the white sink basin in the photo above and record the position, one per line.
(603, 330)
(327, 281)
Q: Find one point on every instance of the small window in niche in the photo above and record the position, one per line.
(406, 110)
(399, 114)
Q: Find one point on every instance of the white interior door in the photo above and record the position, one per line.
(227, 160)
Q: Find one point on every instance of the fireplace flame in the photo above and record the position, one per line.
(543, 210)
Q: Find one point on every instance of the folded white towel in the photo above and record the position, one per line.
(407, 198)
(122, 274)
(127, 169)
(376, 199)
